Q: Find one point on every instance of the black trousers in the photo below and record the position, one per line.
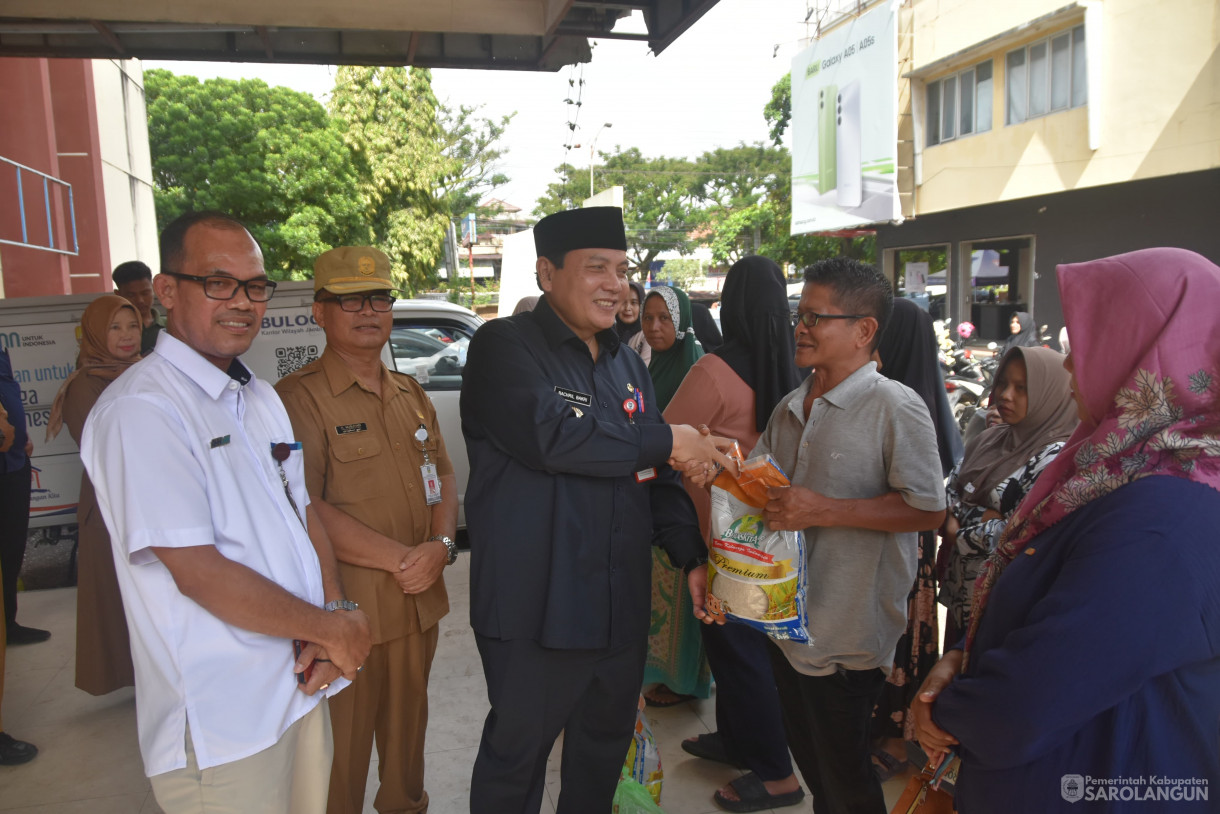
(827, 721)
(748, 714)
(14, 526)
(536, 693)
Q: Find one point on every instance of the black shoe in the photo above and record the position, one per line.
(14, 752)
(20, 634)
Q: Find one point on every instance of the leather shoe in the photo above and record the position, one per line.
(20, 634)
(14, 752)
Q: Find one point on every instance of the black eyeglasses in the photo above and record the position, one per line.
(811, 318)
(355, 302)
(222, 287)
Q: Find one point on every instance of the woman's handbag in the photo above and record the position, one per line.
(923, 794)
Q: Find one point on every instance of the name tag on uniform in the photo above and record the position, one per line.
(344, 429)
(574, 396)
(432, 484)
(645, 474)
(220, 442)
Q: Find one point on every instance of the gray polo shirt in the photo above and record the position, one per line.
(868, 436)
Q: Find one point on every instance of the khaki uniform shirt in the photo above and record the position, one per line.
(361, 457)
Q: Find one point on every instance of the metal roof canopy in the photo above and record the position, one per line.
(530, 35)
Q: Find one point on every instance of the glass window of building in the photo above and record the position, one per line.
(959, 105)
(1046, 76)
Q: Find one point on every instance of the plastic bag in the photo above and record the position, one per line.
(632, 798)
(643, 764)
(755, 575)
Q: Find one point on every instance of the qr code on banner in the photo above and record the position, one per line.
(289, 359)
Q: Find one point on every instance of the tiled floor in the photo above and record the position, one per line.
(89, 761)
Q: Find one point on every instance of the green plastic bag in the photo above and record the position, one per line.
(633, 798)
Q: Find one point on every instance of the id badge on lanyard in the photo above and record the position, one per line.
(427, 472)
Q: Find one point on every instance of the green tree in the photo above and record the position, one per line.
(682, 272)
(388, 118)
(269, 156)
(778, 110)
(473, 144)
(658, 205)
(747, 196)
(741, 190)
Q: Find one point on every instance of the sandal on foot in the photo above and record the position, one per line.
(888, 766)
(710, 746)
(673, 700)
(752, 795)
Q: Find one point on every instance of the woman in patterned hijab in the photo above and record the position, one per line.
(1093, 651)
(670, 332)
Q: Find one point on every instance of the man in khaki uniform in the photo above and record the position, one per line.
(381, 482)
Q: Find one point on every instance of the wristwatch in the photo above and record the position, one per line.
(450, 546)
(340, 604)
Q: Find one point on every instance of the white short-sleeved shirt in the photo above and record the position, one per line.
(867, 437)
(180, 455)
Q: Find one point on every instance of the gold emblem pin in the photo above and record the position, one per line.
(630, 388)
(366, 266)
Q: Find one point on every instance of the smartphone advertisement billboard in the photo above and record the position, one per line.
(845, 126)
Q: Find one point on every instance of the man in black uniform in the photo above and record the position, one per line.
(569, 484)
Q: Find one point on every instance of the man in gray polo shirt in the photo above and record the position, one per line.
(861, 452)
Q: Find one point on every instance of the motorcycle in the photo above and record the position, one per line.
(968, 379)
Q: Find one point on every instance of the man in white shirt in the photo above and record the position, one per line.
(227, 577)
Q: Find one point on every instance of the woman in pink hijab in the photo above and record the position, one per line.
(1091, 667)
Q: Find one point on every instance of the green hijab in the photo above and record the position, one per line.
(668, 367)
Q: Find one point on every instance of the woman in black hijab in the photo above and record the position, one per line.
(1024, 333)
(758, 338)
(907, 354)
(705, 327)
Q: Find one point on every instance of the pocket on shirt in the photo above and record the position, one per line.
(358, 468)
(347, 450)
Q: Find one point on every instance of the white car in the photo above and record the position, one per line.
(429, 342)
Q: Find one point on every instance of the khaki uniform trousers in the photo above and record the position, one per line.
(388, 701)
(286, 778)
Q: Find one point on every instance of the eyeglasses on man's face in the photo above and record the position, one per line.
(223, 287)
(810, 319)
(355, 302)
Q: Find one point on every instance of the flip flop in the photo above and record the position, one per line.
(678, 698)
(710, 746)
(752, 795)
(888, 765)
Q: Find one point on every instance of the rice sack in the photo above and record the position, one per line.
(754, 575)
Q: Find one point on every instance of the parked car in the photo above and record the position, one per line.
(429, 342)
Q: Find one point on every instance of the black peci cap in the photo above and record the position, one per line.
(594, 227)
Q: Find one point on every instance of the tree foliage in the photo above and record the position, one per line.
(657, 200)
(385, 166)
(472, 143)
(742, 192)
(388, 118)
(269, 156)
(778, 110)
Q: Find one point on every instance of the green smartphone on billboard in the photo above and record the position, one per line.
(827, 164)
